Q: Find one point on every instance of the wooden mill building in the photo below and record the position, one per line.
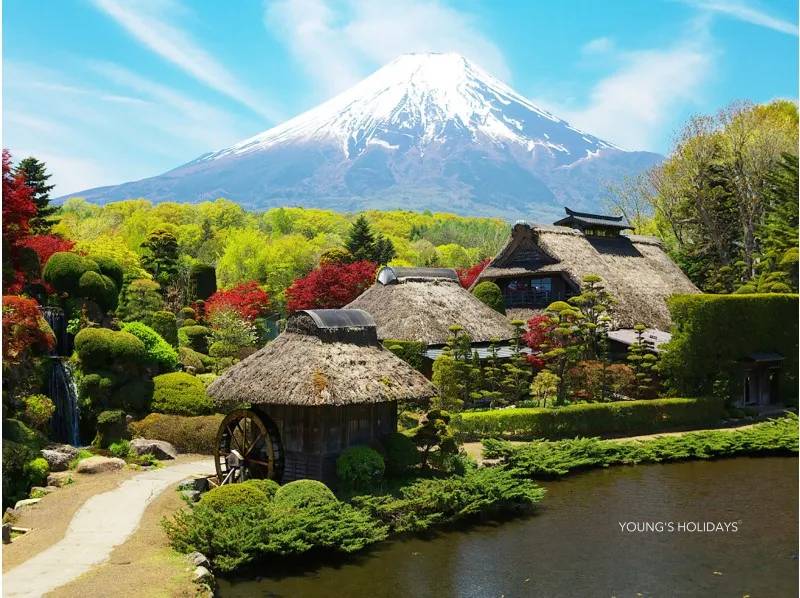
(323, 385)
(544, 263)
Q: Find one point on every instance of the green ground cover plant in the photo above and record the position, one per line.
(549, 459)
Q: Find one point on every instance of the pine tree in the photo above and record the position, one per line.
(364, 245)
(161, 256)
(642, 359)
(517, 371)
(36, 176)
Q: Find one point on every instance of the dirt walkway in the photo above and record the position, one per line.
(474, 449)
(103, 522)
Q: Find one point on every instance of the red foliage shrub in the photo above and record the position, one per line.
(330, 286)
(468, 275)
(46, 245)
(247, 299)
(538, 337)
(24, 328)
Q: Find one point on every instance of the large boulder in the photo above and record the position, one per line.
(160, 449)
(59, 478)
(98, 464)
(58, 456)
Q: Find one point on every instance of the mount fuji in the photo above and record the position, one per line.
(426, 131)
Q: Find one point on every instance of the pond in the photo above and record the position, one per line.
(574, 545)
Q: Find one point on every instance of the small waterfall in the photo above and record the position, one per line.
(64, 393)
(62, 388)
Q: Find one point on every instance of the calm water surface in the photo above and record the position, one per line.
(573, 546)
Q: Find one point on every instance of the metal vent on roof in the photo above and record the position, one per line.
(387, 276)
(340, 318)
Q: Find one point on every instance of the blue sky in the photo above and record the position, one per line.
(112, 90)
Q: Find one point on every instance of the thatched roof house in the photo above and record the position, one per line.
(324, 357)
(421, 304)
(323, 385)
(541, 264)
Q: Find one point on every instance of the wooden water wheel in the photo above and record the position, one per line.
(248, 447)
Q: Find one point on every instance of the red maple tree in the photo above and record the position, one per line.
(23, 328)
(247, 299)
(46, 245)
(330, 286)
(538, 337)
(468, 275)
(18, 207)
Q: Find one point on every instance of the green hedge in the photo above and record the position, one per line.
(712, 332)
(490, 294)
(98, 347)
(589, 419)
(188, 434)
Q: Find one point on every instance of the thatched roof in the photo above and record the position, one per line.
(423, 308)
(635, 269)
(318, 362)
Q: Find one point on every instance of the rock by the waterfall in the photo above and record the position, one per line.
(198, 559)
(160, 449)
(27, 502)
(98, 464)
(58, 456)
(59, 478)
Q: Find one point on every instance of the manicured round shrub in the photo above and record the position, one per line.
(303, 493)
(401, 453)
(225, 497)
(15, 431)
(159, 351)
(207, 379)
(38, 409)
(135, 396)
(179, 393)
(64, 270)
(36, 471)
(490, 294)
(188, 322)
(189, 358)
(111, 268)
(97, 387)
(186, 312)
(194, 337)
(100, 289)
(97, 347)
(165, 324)
(268, 487)
(188, 434)
(223, 349)
(204, 280)
(360, 467)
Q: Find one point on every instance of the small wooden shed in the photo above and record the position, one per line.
(323, 385)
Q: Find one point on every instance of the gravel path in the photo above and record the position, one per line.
(103, 522)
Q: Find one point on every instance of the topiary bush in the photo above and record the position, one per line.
(111, 428)
(360, 468)
(100, 289)
(37, 411)
(165, 324)
(159, 351)
(412, 352)
(180, 393)
(96, 387)
(190, 358)
(223, 349)
(204, 280)
(64, 270)
(187, 434)
(111, 268)
(101, 347)
(231, 496)
(36, 471)
(268, 487)
(303, 493)
(134, 396)
(15, 431)
(194, 337)
(401, 453)
(15, 479)
(490, 294)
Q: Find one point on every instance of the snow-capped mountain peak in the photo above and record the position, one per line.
(426, 131)
(427, 96)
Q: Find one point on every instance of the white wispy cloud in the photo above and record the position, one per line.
(747, 13)
(634, 104)
(149, 23)
(599, 45)
(339, 44)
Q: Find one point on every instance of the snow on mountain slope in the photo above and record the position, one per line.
(425, 131)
